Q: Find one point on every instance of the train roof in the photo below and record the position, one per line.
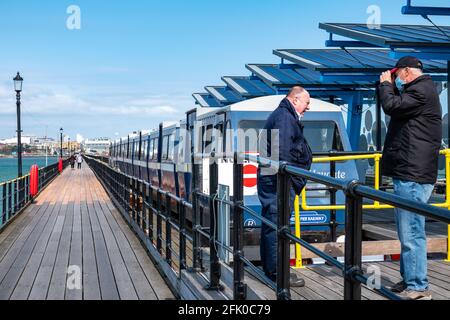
(268, 104)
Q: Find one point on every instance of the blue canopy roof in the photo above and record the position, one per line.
(429, 42)
(352, 60)
(205, 100)
(248, 87)
(223, 94)
(288, 75)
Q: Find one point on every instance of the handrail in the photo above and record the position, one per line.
(15, 193)
(377, 157)
(142, 203)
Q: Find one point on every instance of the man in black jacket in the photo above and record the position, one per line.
(410, 157)
(281, 140)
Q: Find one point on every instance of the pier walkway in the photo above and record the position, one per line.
(72, 244)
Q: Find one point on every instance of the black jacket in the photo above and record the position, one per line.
(292, 146)
(414, 136)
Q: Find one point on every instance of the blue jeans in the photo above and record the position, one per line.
(411, 232)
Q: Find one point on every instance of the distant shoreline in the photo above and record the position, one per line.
(25, 156)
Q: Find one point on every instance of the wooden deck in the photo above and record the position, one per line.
(324, 282)
(73, 244)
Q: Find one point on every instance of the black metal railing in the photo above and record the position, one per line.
(145, 203)
(15, 194)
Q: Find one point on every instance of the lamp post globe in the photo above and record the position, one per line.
(18, 81)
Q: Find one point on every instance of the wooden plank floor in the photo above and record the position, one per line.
(323, 282)
(73, 244)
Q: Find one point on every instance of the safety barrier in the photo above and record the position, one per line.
(144, 204)
(15, 194)
(333, 157)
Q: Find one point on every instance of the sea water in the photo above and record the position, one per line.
(8, 168)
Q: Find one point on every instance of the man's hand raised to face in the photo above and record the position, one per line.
(386, 76)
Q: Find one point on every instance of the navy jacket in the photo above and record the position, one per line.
(291, 145)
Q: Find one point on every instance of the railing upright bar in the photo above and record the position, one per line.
(283, 243)
(159, 223)
(182, 235)
(4, 208)
(196, 241)
(333, 226)
(168, 229)
(353, 244)
(214, 264)
(239, 287)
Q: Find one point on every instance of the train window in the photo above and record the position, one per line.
(207, 139)
(323, 136)
(150, 149)
(248, 135)
(228, 138)
(171, 147)
(165, 148)
(181, 149)
(155, 148)
(136, 150)
(144, 150)
(130, 149)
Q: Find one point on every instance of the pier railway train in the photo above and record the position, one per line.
(163, 156)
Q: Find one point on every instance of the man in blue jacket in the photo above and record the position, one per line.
(282, 140)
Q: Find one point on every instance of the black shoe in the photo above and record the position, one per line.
(296, 282)
(398, 287)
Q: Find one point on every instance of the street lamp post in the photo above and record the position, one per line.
(18, 80)
(69, 147)
(61, 146)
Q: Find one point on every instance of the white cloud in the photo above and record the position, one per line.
(40, 102)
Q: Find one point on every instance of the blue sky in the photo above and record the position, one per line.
(136, 63)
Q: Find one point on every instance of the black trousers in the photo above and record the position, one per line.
(79, 165)
(267, 194)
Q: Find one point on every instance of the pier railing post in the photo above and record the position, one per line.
(4, 209)
(182, 244)
(159, 223)
(214, 264)
(196, 240)
(353, 243)
(333, 226)
(168, 229)
(283, 243)
(239, 287)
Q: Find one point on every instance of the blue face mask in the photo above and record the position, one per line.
(399, 83)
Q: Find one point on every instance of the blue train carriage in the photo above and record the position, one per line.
(324, 130)
(169, 131)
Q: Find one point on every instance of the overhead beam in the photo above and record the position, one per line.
(349, 44)
(426, 11)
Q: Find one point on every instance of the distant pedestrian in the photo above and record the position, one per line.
(72, 161)
(79, 160)
(410, 157)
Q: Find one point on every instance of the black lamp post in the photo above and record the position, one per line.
(69, 147)
(18, 80)
(61, 147)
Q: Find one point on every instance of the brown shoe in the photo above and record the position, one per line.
(415, 295)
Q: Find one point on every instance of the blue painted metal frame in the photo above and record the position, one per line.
(425, 11)
(205, 100)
